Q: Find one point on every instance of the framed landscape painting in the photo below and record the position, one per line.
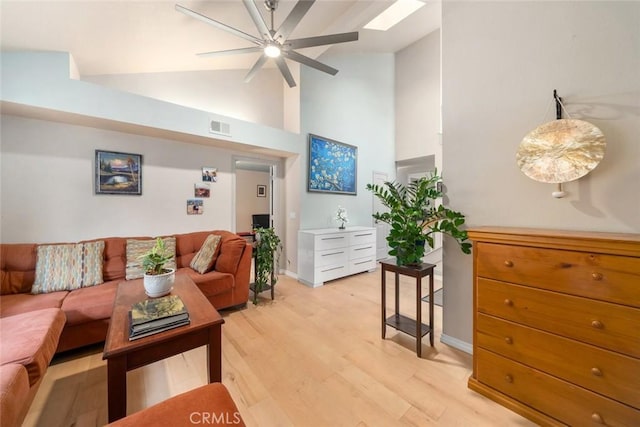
(118, 173)
(332, 166)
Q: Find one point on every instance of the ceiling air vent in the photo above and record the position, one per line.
(219, 127)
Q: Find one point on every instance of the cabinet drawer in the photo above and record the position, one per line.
(361, 237)
(603, 324)
(331, 272)
(592, 275)
(331, 241)
(362, 251)
(559, 399)
(362, 264)
(596, 369)
(330, 256)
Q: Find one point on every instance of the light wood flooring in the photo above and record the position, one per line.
(312, 357)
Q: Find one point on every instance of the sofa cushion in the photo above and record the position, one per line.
(210, 404)
(18, 267)
(230, 253)
(14, 392)
(136, 248)
(31, 339)
(13, 304)
(211, 283)
(92, 303)
(206, 256)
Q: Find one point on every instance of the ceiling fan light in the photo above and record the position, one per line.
(272, 51)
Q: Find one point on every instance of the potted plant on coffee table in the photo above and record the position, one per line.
(415, 218)
(158, 280)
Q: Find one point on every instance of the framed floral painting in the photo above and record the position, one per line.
(332, 166)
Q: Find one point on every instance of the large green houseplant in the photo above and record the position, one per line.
(415, 218)
(267, 252)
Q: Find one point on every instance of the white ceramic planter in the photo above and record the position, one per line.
(159, 284)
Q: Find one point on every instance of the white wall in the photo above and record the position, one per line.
(47, 174)
(355, 107)
(501, 63)
(222, 91)
(247, 200)
(418, 98)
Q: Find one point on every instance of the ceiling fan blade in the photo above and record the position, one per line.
(291, 22)
(322, 40)
(284, 69)
(217, 24)
(230, 52)
(295, 56)
(257, 19)
(252, 72)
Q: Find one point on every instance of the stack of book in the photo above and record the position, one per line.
(155, 315)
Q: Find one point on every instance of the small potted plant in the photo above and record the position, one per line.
(158, 280)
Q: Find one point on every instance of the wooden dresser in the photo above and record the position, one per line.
(557, 324)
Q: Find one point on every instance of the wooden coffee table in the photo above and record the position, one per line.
(123, 355)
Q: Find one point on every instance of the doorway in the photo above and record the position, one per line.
(254, 193)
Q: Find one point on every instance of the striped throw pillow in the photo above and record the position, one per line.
(137, 248)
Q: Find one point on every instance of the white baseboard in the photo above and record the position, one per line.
(289, 273)
(456, 343)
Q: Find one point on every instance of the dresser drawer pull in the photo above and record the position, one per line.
(597, 372)
(508, 340)
(597, 418)
(333, 253)
(508, 378)
(597, 276)
(508, 302)
(597, 324)
(332, 238)
(508, 263)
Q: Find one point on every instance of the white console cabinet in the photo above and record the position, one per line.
(329, 253)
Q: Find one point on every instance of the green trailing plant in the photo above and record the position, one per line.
(268, 247)
(153, 261)
(415, 219)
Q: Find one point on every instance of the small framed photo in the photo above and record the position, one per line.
(202, 189)
(118, 173)
(262, 191)
(195, 207)
(209, 174)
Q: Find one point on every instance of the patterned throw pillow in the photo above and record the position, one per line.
(204, 259)
(137, 248)
(92, 257)
(67, 267)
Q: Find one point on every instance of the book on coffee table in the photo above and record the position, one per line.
(155, 315)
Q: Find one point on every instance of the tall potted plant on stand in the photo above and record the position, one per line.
(267, 252)
(415, 218)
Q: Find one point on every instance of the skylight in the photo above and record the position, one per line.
(394, 14)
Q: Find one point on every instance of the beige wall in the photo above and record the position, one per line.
(501, 62)
(417, 98)
(247, 201)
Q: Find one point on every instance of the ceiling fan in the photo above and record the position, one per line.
(275, 43)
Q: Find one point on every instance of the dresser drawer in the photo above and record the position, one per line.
(362, 264)
(612, 374)
(361, 237)
(331, 272)
(361, 251)
(603, 324)
(592, 275)
(558, 399)
(331, 241)
(331, 256)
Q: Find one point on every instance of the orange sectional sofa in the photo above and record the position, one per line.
(65, 320)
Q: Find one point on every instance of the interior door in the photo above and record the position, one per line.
(382, 229)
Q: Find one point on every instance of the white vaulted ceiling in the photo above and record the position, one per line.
(122, 36)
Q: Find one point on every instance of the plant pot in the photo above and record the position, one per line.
(157, 285)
